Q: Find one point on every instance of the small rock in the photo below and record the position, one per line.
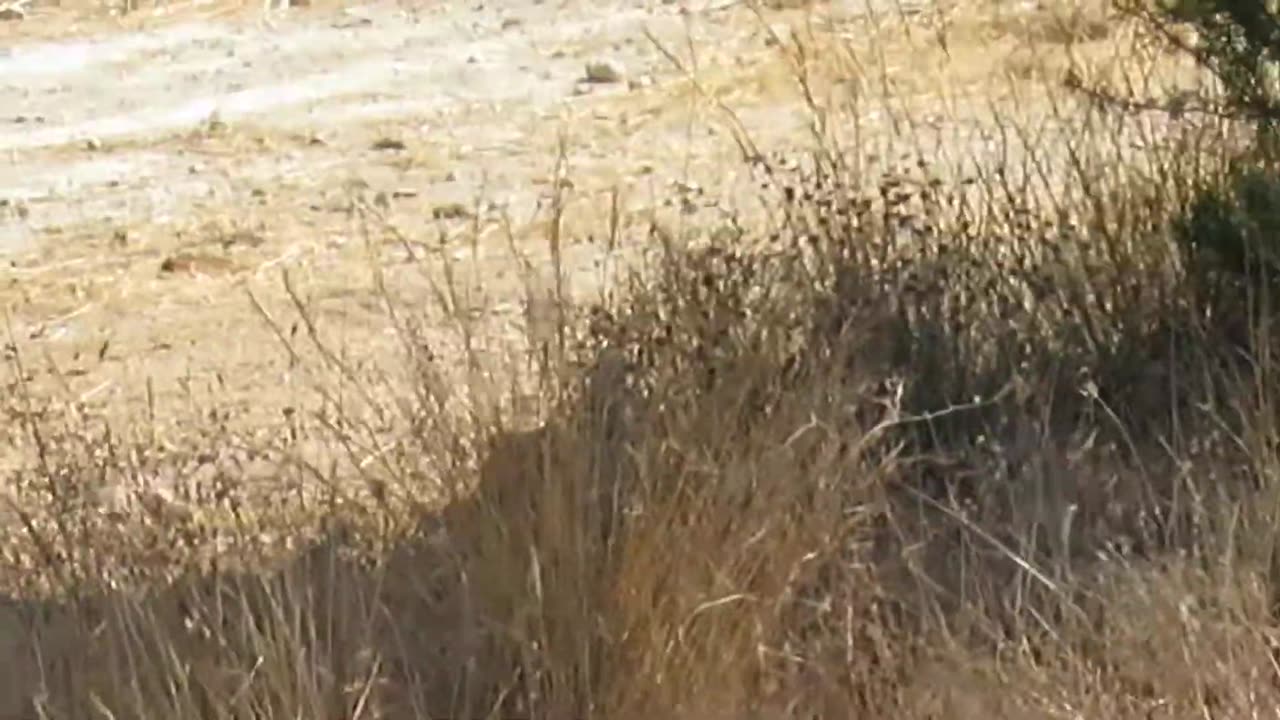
(389, 144)
(93, 144)
(13, 11)
(450, 211)
(197, 264)
(605, 71)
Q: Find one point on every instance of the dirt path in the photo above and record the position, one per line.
(101, 125)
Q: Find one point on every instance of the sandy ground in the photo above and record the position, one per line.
(155, 169)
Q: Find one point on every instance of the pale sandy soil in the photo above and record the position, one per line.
(156, 168)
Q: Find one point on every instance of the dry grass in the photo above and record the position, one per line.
(919, 442)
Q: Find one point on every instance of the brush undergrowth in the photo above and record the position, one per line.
(919, 445)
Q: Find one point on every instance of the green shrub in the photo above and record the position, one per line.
(1237, 41)
(1228, 229)
(1231, 227)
